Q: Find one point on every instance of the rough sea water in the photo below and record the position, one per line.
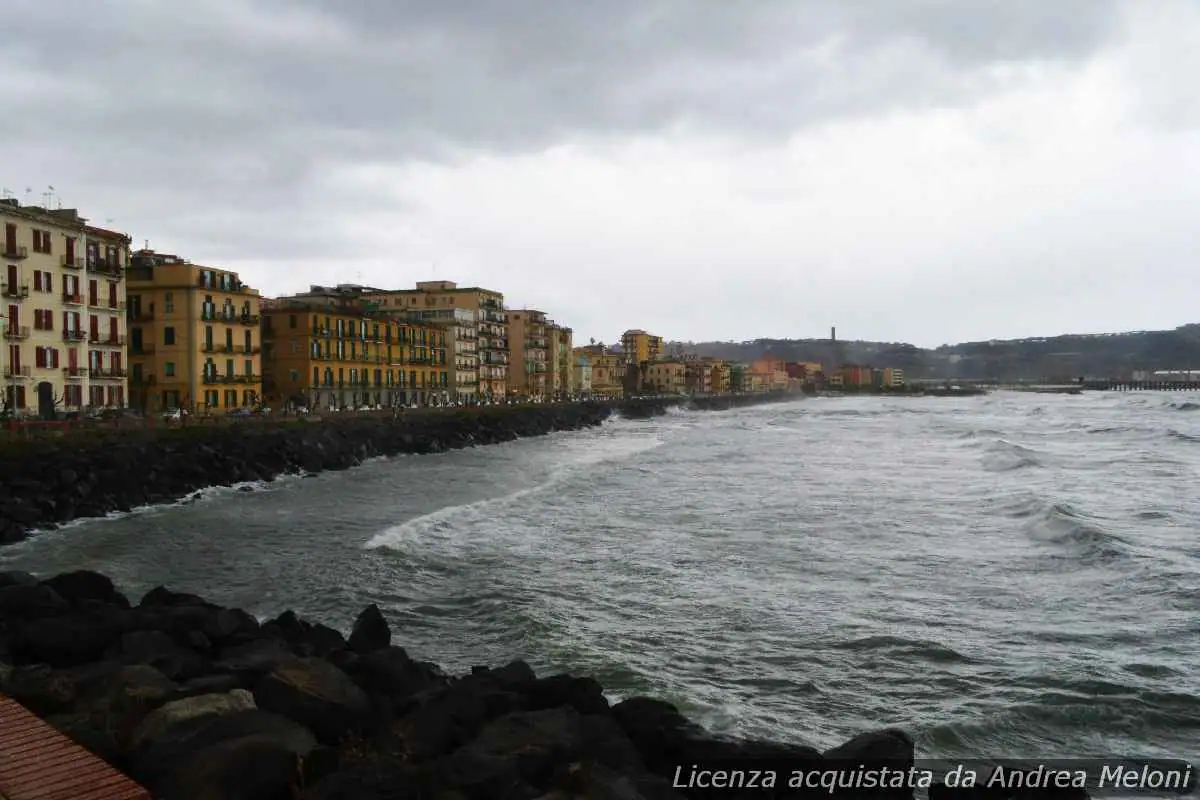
(1012, 575)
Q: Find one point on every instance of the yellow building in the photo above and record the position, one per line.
(893, 378)
(63, 326)
(561, 359)
(640, 347)
(607, 369)
(665, 377)
(528, 354)
(194, 336)
(490, 343)
(719, 380)
(324, 351)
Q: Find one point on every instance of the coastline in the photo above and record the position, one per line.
(48, 482)
(194, 700)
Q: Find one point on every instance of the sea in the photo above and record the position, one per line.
(1012, 575)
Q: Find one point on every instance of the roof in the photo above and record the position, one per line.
(105, 233)
(36, 761)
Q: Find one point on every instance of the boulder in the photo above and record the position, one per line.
(248, 768)
(158, 760)
(158, 721)
(76, 587)
(370, 632)
(16, 578)
(67, 641)
(315, 694)
(30, 601)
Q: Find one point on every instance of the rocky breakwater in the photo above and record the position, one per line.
(200, 702)
(50, 481)
(645, 407)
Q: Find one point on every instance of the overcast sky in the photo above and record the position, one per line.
(910, 170)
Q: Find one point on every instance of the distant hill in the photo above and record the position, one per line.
(1056, 357)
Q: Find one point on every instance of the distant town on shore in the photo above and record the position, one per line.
(93, 324)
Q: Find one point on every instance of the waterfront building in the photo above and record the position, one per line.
(491, 343)
(560, 359)
(462, 341)
(665, 377)
(329, 348)
(63, 326)
(607, 369)
(194, 336)
(528, 353)
(893, 378)
(640, 347)
(581, 373)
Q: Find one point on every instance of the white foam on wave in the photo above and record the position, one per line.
(579, 456)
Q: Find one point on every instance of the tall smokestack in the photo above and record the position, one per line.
(833, 333)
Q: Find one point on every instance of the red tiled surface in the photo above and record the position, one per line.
(39, 763)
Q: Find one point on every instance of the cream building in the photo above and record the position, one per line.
(64, 318)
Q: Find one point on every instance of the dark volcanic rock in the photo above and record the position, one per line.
(201, 702)
(371, 631)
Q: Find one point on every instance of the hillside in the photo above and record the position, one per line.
(1056, 357)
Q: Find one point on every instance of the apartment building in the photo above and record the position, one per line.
(698, 376)
(325, 350)
(462, 342)
(560, 359)
(194, 336)
(665, 377)
(63, 327)
(491, 334)
(581, 374)
(528, 354)
(607, 369)
(640, 347)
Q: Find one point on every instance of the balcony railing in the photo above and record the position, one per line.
(72, 298)
(140, 315)
(249, 319)
(17, 332)
(16, 373)
(14, 251)
(110, 373)
(16, 291)
(75, 373)
(107, 339)
(72, 262)
(141, 349)
(208, 347)
(74, 336)
(536, 344)
(113, 273)
(107, 306)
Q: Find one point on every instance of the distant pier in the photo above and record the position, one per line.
(1118, 385)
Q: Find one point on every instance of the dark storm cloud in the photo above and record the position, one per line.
(228, 116)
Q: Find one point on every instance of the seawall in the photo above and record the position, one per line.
(46, 482)
(193, 700)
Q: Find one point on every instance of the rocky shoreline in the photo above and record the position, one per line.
(199, 702)
(46, 482)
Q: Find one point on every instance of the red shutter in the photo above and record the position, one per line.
(93, 294)
(37, 279)
(48, 280)
(116, 361)
(49, 319)
(113, 336)
(66, 320)
(76, 326)
(95, 328)
(112, 295)
(54, 359)
(39, 357)
(70, 248)
(73, 359)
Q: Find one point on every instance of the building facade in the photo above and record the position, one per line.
(194, 336)
(640, 347)
(491, 335)
(665, 377)
(560, 358)
(462, 340)
(582, 374)
(64, 297)
(528, 354)
(324, 352)
(607, 369)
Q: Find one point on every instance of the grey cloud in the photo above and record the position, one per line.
(223, 116)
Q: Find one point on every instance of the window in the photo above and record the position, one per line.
(229, 367)
(169, 303)
(294, 375)
(249, 367)
(291, 321)
(249, 339)
(168, 336)
(42, 241)
(229, 340)
(316, 376)
(169, 369)
(230, 398)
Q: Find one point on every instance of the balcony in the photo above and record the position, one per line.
(140, 349)
(212, 378)
(72, 299)
(74, 336)
(16, 291)
(16, 373)
(119, 308)
(16, 333)
(138, 315)
(114, 274)
(249, 319)
(14, 252)
(75, 373)
(107, 340)
(247, 378)
(72, 262)
(110, 373)
(536, 344)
